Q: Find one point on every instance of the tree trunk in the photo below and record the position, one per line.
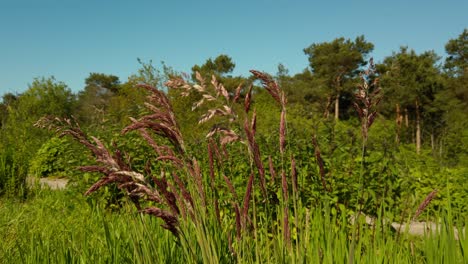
(406, 117)
(432, 141)
(326, 114)
(337, 99)
(418, 129)
(337, 106)
(399, 119)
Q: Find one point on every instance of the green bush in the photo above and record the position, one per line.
(12, 173)
(51, 159)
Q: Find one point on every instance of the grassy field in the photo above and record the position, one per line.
(66, 227)
(63, 227)
(249, 202)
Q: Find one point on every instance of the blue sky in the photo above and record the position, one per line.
(71, 38)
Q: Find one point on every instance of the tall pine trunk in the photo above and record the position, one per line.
(399, 120)
(326, 114)
(406, 118)
(337, 98)
(337, 106)
(418, 129)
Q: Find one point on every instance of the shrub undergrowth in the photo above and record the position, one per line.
(239, 196)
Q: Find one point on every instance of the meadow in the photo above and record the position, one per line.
(65, 227)
(245, 193)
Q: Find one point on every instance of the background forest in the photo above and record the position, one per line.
(334, 159)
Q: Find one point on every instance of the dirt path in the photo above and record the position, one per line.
(415, 228)
(52, 183)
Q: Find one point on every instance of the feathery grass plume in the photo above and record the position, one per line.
(225, 111)
(199, 181)
(231, 248)
(181, 185)
(111, 178)
(212, 179)
(231, 187)
(318, 158)
(425, 203)
(286, 230)
(177, 82)
(248, 99)
(95, 168)
(170, 219)
(271, 86)
(284, 185)
(123, 160)
(157, 125)
(218, 93)
(169, 197)
(248, 194)
(200, 78)
(367, 98)
(215, 149)
(366, 101)
(187, 204)
(207, 95)
(224, 151)
(179, 199)
(176, 161)
(108, 165)
(238, 220)
(116, 170)
(217, 211)
(237, 93)
(227, 135)
(274, 90)
(255, 152)
(282, 131)
(219, 87)
(159, 149)
(278, 95)
(235, 205)
(65, 126)
(272, 169)
(162, 121)
(253, 123)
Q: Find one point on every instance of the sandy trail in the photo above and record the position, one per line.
(52, 183)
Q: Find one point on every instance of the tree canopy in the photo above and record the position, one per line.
(336, 62)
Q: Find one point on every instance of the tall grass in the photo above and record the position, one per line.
(13, 172)
(62, 227)
(213, 216)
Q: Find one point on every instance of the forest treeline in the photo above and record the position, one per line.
(274, 168)
(423, 109)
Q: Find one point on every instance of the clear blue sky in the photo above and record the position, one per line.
(71, 38)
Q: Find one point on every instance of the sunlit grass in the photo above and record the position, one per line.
(65, 227)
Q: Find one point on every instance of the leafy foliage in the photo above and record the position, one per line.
(337, 62)
(227, 162)
(51, 159)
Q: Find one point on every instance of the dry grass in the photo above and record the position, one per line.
(170, 198)
(368, 98)
(179, 194)
(425, 203)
